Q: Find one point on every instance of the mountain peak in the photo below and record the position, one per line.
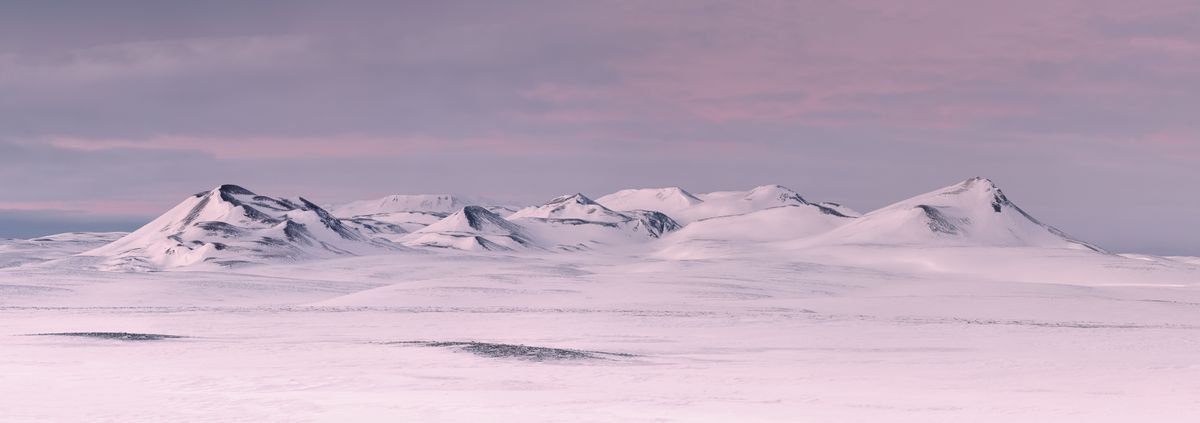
(225, 189)
(233, 189)
(572, 198)
(978, 182)
(776, 192)
(981, 189)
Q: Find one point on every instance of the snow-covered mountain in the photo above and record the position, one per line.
(472, 228)
(231, 225)
(973, 212)
(685, 207)
(577, 222)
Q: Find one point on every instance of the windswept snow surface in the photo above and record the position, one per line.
(771, 314)
(847, 333)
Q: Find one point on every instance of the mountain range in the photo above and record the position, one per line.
(231, 225)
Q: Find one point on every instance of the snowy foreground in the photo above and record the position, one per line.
(645, 305)
(747, 334)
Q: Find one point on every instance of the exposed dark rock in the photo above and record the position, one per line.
(521, 352)
(937, 221)
(119, 336)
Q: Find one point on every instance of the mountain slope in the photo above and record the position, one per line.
(473, 228)
(973, 212)
(232, 225)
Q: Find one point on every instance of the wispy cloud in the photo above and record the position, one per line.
(334, 146)
(151, 58)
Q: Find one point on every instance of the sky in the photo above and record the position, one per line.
(1083, 111)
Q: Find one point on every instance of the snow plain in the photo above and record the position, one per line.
(860, 334)
(687, 327)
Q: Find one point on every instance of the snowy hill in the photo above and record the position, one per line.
(672, 201)
(232, 225)
(576, 222)
(973, 212)
(771, 224)
(685, 207)
(17, 252)
(473, 228)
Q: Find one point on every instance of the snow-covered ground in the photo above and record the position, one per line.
(952, 306)
(754, 333)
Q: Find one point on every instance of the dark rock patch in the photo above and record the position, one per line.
(119, 336)
(520, 352)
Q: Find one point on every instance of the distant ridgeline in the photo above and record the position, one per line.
(231, 225)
